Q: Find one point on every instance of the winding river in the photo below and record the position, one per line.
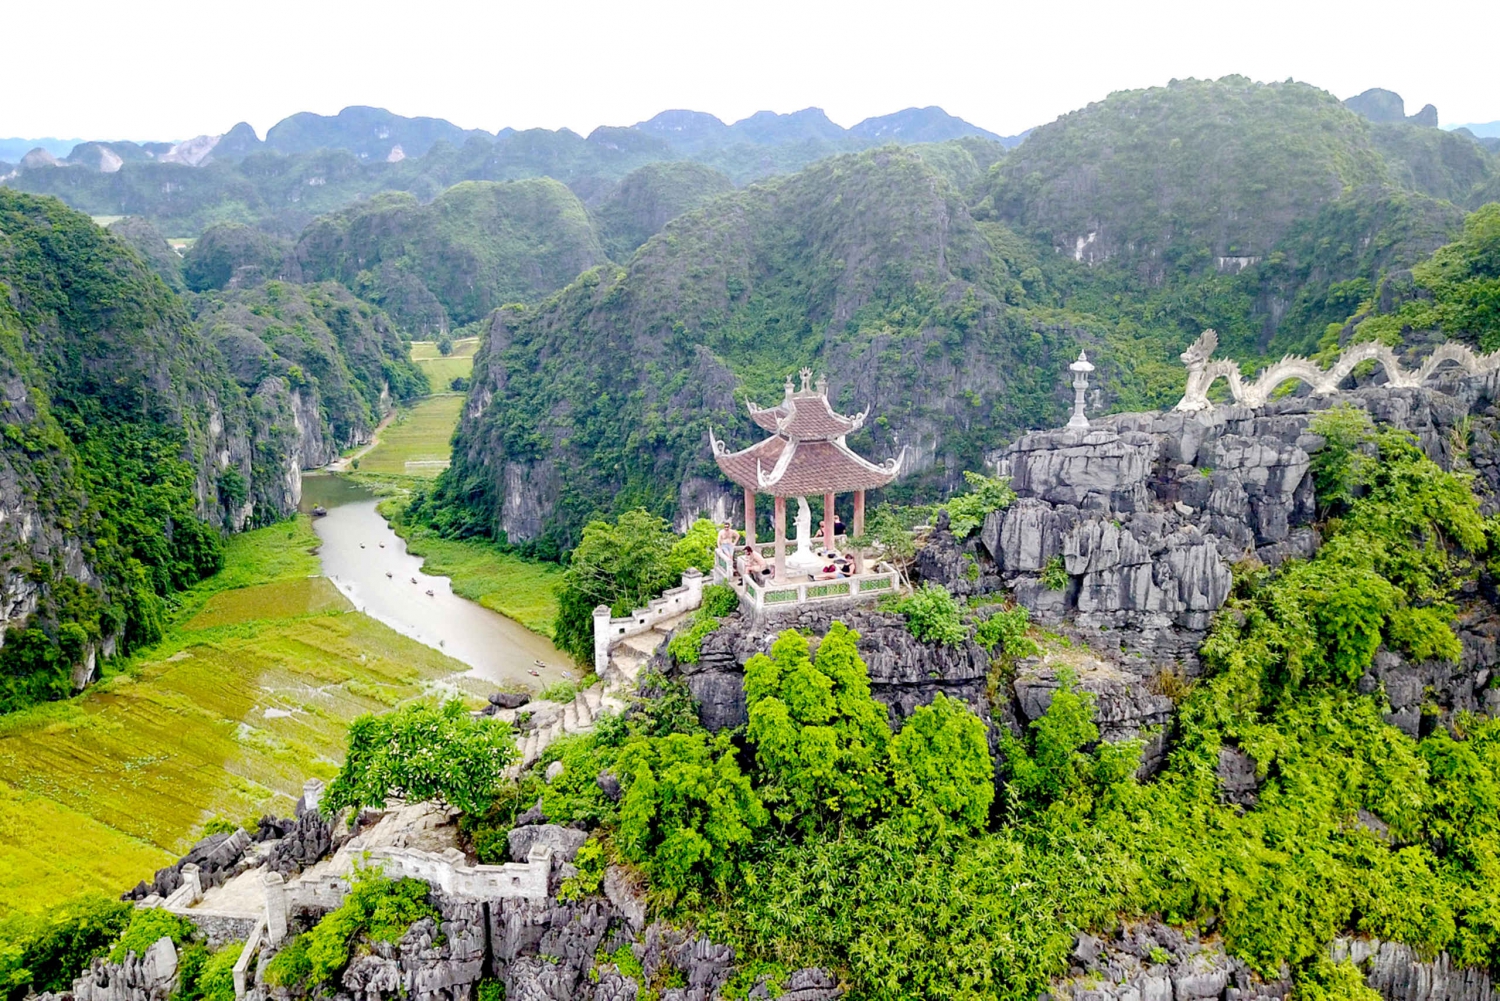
(368, 562)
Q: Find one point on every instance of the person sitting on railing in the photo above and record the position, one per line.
(757, 567)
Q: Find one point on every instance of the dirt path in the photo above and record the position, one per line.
(343, 462)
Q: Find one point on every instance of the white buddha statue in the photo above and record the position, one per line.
(804, 559)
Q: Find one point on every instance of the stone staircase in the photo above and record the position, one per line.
(616, 684)
(630, 654)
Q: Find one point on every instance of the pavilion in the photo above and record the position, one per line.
(805, 455)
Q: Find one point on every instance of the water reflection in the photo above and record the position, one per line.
(369, 563)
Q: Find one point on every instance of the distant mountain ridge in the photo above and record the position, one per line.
(375, 134)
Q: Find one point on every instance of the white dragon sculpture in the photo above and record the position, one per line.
(1203, 370)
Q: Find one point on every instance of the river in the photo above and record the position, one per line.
(368, 562)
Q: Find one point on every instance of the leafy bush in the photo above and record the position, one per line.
(819, 736)
(45, 952)
(719, 600)
(685, 644)
(377, 909)
(941, 770)
(968, 511)
(215, 981)
(1005, 631)
(933, 616)
(146, 928)
(687, 811)
(1343, 465)
(1062, 767)
(423, 751)
(592, 860)
(1055, 574)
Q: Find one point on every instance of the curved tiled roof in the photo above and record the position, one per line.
(806, 453)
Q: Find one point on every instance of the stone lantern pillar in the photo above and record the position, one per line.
(1080, 369)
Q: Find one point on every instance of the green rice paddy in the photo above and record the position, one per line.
(416, 443)
(245, 698)
(441, 370)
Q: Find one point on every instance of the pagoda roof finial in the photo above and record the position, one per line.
(806, 374)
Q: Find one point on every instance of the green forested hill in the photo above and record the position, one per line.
(868, 266)
(944, 286)
(129, 446)
(1180, 177)
(476, 246)
(648, 198)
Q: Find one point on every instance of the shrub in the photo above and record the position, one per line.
(968, 511)
(215, 981)
(1005, 631)
(719, 600)
(819, 736)
(377, 908)
(933, 616)
(592, 860)
(1062, 766)
(45, 952)
(1055, 574)
(146, 927)
(685, 645)
(941, 769)
(423, 751)
(687, 810)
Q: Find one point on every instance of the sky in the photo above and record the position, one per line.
(173, 69)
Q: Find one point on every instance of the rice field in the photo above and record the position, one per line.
(416, 443)
(246, 697)
(441, 370)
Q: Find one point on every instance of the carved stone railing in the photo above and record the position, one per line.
(1203, 371)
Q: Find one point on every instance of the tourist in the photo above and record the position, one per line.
(728, 539)
(756, 566)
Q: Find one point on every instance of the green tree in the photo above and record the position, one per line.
(687, 810)
(941, 769)
(423, 751)
(45, 952)
(1062, 767)
(820, 738)
(622, 565)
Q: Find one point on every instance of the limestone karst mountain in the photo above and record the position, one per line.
(131, 443)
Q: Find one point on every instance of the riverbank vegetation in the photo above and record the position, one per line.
(250, 690)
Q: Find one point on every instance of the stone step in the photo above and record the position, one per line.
(665, 626)
(592, 696)
(584, 711)
(643, 643)
(570, 718)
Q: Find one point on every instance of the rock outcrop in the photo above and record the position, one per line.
(904, 672)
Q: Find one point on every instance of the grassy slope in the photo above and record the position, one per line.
(98, 791)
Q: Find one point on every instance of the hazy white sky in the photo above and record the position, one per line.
(171, 69)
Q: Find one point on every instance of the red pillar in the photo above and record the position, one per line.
(749, 517)
(858, 528)
(828, 522)
(780, 539)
